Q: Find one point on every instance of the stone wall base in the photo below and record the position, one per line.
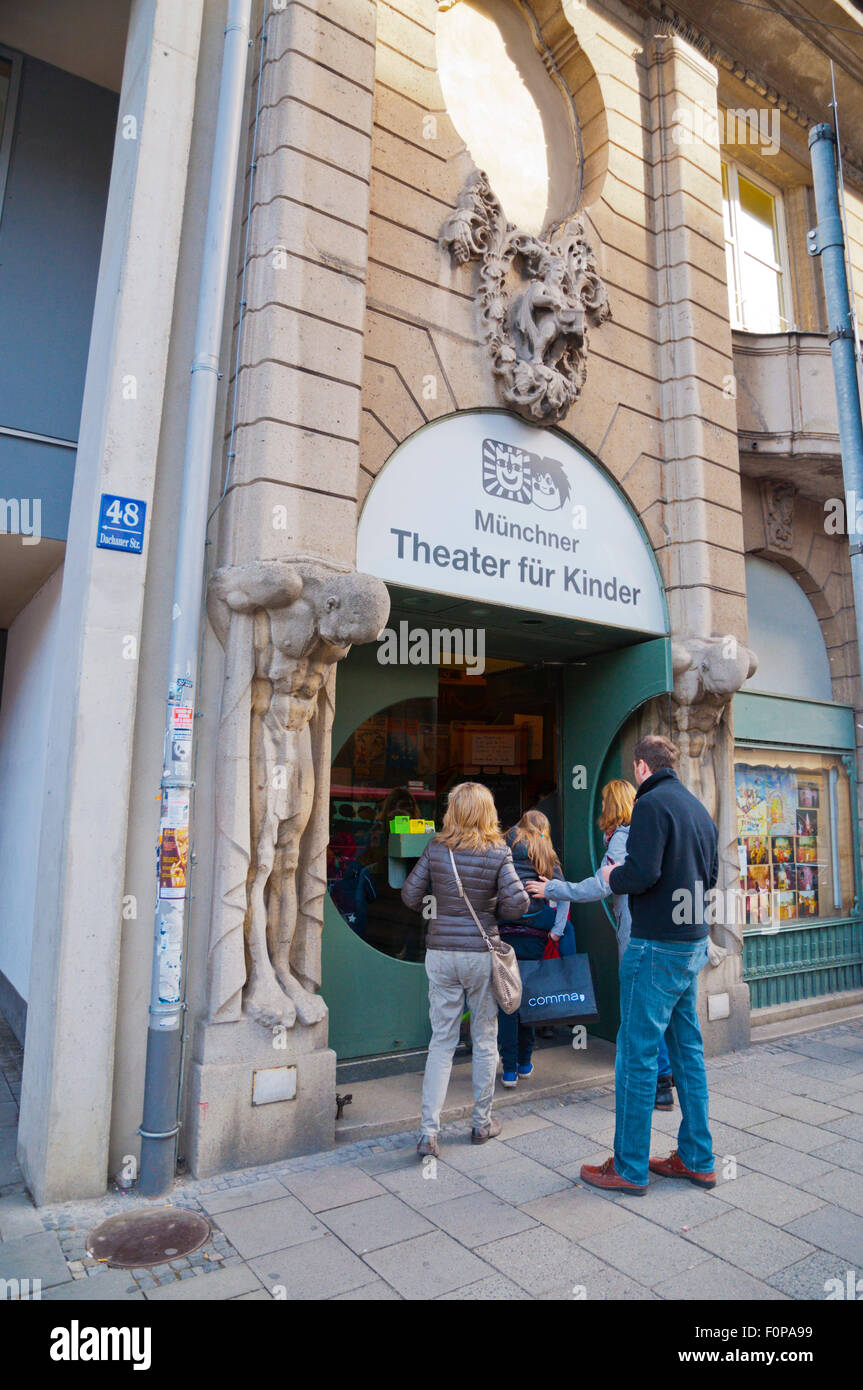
(233, 1121)
(729, 1034)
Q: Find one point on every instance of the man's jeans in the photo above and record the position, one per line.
(658, 990)
(459, 979)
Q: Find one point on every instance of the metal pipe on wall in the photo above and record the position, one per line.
(827, 241)
(159, 1126)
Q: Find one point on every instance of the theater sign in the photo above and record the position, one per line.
(484, 506)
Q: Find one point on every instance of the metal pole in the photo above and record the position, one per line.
(827, 241)
(160, 1125)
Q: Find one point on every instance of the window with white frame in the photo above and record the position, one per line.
(755, 253)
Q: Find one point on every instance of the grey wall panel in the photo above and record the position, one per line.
(50, 241)
(29, 470)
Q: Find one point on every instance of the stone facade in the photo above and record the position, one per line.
(350, 326)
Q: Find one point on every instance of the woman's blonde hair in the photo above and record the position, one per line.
(618, 799)
(534, 831)
(471, 819)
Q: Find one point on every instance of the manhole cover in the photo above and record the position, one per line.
(148, 1237)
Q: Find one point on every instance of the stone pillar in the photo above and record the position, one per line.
(262, 1082)
(704, 562)
(69, 1057)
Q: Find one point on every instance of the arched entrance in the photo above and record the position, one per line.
(528, 622)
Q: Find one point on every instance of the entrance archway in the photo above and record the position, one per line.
(481, 524)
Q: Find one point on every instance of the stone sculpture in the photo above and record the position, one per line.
(707, 672)
(283, 627)
(777, 508)
(539, 340)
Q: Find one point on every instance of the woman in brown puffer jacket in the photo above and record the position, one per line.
(458, 962)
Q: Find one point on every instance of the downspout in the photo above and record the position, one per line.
(827, 241)
(160, 1124)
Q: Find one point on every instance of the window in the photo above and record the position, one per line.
(10, 75)
(755, 253)
(795, 837)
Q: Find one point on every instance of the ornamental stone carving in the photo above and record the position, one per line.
(777, 507)
(707, 672)
(283, 627)
(538, 338)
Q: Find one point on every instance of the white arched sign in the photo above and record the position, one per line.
(484, 506)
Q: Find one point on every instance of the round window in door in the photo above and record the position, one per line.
(383, 795)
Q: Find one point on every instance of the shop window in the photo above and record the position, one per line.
(785, 634)
(795, 837)
(755, 253)
(399, 765)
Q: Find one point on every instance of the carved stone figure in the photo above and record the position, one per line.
(283, 627)
(777, 509)
(539, 341)
(707, 672)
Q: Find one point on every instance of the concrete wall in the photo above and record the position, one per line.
(23, 772)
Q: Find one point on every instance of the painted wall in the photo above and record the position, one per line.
(50, 241)
(23, 772)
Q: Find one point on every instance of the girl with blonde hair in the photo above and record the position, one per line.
(532, 853)
(468, 860)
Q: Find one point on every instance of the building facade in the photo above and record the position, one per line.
(524, 362)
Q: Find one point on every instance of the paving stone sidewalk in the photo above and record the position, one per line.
(509, 1219)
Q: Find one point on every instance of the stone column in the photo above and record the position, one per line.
(262, 1082)
(704, 564)
(69, 1058)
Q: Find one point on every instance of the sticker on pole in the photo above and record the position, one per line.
(121, 523)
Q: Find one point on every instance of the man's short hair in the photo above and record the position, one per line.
(656, 751)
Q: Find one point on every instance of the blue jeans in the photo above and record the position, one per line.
(622, 929)
(658, 992)
(515, 1039)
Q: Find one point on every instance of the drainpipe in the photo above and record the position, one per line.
(827, 241)
(160, 1123)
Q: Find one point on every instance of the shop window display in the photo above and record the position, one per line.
(795, 837)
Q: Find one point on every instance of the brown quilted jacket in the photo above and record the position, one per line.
(490, 881)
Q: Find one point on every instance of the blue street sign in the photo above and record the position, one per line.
(121, 523)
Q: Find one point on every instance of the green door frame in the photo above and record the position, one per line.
(598, 698)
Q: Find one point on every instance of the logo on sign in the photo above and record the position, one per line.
(515, 475)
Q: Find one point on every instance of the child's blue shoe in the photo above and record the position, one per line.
(526, 1071)
(510, 1078)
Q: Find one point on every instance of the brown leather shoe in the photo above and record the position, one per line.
(489, 1131)
(428, 1147)
(607, 1177)
(673, 1167)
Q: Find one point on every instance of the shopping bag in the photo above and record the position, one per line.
(558, 991)
(551, 951)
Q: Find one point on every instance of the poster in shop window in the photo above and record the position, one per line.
(766, 800)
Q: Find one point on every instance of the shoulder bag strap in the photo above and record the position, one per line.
(469, 904)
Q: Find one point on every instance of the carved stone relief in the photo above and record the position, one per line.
(777, 507)
(538, 339)
(283, 627)
(707, 672)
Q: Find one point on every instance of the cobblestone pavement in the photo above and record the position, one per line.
(508, 1219)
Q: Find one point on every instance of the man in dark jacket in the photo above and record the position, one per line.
(671, 864)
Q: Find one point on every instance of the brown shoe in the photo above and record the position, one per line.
(673, 1167)
(606, 1176)
(428, 1147)
(489, 1131)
